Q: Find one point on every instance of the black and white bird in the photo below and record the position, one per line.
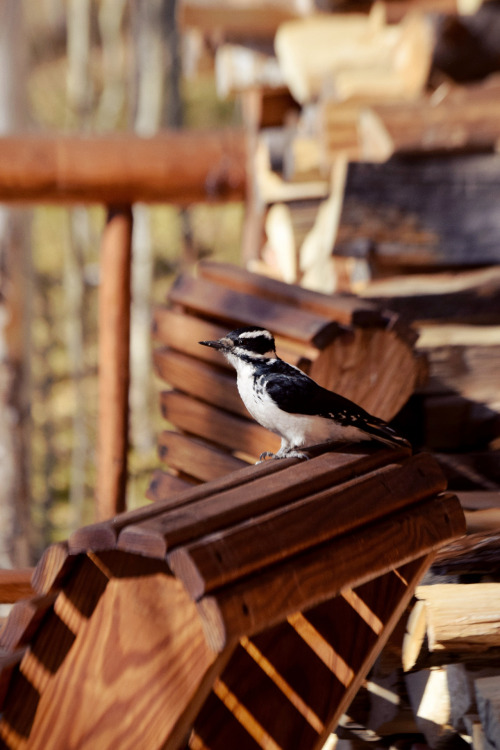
(286, 401)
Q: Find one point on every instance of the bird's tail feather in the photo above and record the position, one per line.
(385, 434)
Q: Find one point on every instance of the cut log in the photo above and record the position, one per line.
(238, 68)
(488, 705)
(432, 212)
(355, 55)
(461, 119)
(476, 554)
(456, 622)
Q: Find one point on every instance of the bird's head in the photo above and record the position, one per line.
(245, 344)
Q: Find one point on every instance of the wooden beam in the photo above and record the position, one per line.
(114, 372)
(15, 585)
(178, 167)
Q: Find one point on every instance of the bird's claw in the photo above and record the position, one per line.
(266, 455)
(285, 454)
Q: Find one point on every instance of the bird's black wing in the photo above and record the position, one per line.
(296, 393)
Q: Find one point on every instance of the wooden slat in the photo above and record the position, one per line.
(172, 485)
(217, 510)
(114, 365)
(104, 535)
(52, 568)
(344, 309)
(182, 332)
(195, 458)
(211, 562)
(239, 309)
(177, 167)
(15, 584)
(23, 620)
(200, 380)
(303, 581)
(219, 427)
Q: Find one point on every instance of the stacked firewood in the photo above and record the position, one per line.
(374, 170)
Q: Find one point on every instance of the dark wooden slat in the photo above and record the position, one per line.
(218, 728)
(52, 568)
(345, 309)
(217, 510)
(23, 620)
(200, 380)
(104, 535)
(224, 304)
(273, 711)
(305, 580)
(172, 486)
(182, 332)
(214, 561)
(195, 457)
(219, 427)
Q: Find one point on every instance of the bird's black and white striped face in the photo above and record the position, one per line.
(246, 344)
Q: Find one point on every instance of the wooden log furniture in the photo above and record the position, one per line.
(244, 611)
(241, 613)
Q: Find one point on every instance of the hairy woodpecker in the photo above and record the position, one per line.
(286, 401)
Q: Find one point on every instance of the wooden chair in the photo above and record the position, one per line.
(243, 611)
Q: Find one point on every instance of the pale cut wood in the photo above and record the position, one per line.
(461, 119)
(355, 56)
(213, 511)
(266, 598)
(195, 458)
(310, 49)
(239, 67)
(211, 562)
(15, 584)
(462, 617)
(114, 366)
(178, 167)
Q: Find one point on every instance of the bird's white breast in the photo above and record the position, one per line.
(298, 430)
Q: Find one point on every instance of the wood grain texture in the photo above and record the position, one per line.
(239, 309)
(105, 535)
(214, 561)
(225, 430)
(336, 635)
(250, 605)
(15, 584)
(195, 458)
(52, 568)
(199, 380)
(114, 366)
(124, 168)
(101, 696)
(400, 211)
(216, 510)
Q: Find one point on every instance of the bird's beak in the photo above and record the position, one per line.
(220, 344)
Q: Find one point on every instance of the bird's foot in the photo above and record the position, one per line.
(267, 455)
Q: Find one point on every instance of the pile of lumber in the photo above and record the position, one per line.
(374, 170)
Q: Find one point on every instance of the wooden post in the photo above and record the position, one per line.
(114, 345)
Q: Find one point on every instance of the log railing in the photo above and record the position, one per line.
(174, 167)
